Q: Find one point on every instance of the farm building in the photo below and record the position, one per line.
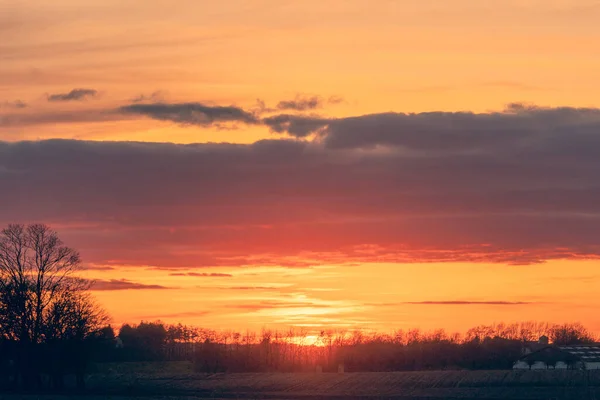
(531, 346)
(583, 356)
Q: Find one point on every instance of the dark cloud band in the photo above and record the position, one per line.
(517, 187)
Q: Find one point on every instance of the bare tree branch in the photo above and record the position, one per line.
(41, 292)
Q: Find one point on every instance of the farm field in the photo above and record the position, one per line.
(178, 381)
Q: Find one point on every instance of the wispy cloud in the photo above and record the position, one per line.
(122, 284)
(18, 104)
(59, 117)
(301, 103)
(202, 274)
(185, 314)
(469, 303)
(154, 97)
(94, 267)
(335, 99)
(253, 288)
(74, 95)
(265, 305)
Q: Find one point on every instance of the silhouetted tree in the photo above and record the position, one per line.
(144, 342)
(44, 309)
(567, 334)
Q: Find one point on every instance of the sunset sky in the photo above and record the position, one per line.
(336, 163)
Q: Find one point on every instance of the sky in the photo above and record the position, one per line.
(317, 164)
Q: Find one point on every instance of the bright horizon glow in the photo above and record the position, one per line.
(345, 297)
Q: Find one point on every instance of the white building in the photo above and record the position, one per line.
(580, 356)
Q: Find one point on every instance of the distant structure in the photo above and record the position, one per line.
(581, 356)
(531, 346)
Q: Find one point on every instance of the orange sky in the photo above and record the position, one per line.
(295, 258)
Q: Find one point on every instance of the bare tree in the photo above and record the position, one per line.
(41, 298)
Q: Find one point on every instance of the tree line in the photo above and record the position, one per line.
(495, 346)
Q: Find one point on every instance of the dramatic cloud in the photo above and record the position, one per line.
(191, 113)
(202, 275)
(122, 284)
(301, 103)
(520, 126)
(516, 187)
(73, 95)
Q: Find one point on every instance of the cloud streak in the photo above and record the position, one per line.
(272, 304)
(58, 117)
(202, 274)
(469, 303)
(253, 288)
(191, 113)
(301, 103)
(122, 284)
(74, 95)
(154, 97)
(17, 104)
(185, 314)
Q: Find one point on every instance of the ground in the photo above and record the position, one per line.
(178, 381)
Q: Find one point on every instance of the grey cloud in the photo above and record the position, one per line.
(73, 95)
(519, 127)
(191, 113)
